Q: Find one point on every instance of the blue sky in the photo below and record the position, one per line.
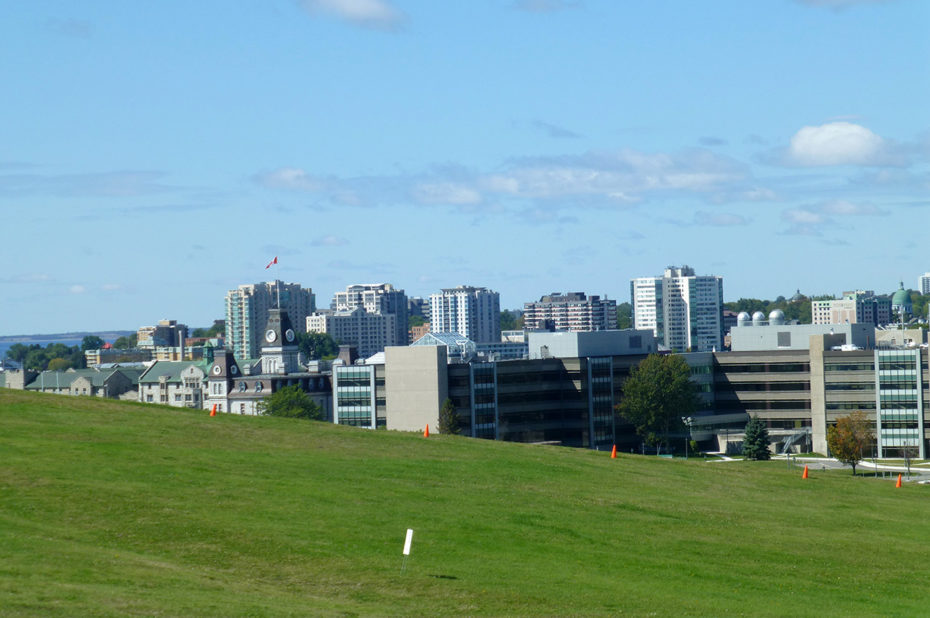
(154, 155)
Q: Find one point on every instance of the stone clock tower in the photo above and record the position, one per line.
(279, 345)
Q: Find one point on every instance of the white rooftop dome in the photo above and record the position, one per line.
(758, 317)
(777, 317)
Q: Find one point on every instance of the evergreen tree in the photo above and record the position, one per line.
(756, 443)
(448, 419)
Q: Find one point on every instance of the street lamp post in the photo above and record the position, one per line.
(687, 421)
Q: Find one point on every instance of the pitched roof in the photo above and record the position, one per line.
(169, 369)
(60, 379)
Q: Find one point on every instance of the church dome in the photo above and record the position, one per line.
(901, 299)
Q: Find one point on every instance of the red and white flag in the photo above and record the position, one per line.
(272, 263)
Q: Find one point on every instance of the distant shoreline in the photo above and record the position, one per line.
(105, 335)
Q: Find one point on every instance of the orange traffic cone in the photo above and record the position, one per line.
(426, 432)
(898, 484)
(213, 411)
(613, 452)
(804, 476)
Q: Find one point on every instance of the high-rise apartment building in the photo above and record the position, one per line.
(683, 310)
(376, 298)
(369, 332)
(247, 311)
(858, 307)
(923, 283)
(570, 312)
(472, 312)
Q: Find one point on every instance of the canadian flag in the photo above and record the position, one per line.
(272, 263)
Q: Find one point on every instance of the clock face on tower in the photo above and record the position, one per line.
(270, 336)
(216, 370)
(289, 334)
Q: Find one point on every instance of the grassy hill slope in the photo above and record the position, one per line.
(110, 508)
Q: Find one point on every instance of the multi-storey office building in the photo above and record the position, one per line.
(380, 299)
(369, 332)
(801, 393)
(358, 396)
(683, 310)
(472, 312)
(573, 311)
(247, 311)
(568, 401)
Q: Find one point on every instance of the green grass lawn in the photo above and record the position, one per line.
(110, 508)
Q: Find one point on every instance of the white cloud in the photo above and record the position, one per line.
(844, 208)
(291, 178)
(110, 287)
(329, 241)
(377, 14)
(77, 289)
(612, 179)
(446, 193)
(813, 219)
(719, 219)
(622, 176)
(839, 143)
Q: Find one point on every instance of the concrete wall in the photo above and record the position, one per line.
(818, 344)
(764, 337)
(416, 385)
(595, 343)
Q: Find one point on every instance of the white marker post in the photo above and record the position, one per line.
(407, 542)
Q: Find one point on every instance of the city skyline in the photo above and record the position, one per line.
(156, 157)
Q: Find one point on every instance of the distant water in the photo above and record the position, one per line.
(6, 345)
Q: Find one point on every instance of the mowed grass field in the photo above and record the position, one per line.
(110, 508)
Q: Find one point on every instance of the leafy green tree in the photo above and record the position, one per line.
(315, 346)
(290, 402)
(415, 320)
(91, 342)
(448, 419)
(18, 351)
(76, 357)
(624, 316)
(511, 320)
(756, 442)
(59, 364)
(850, 438)
(36, 360)
(657, 396)
(127, 342)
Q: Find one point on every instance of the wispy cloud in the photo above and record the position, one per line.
(840, 4)
(329, 241)
(104, 184)
(545, 6)
(377, 14)
(710, 140)
(719, 219)
(813, 220)
(70, 27)
(604, 179)
(554, 131)
(77, 289)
